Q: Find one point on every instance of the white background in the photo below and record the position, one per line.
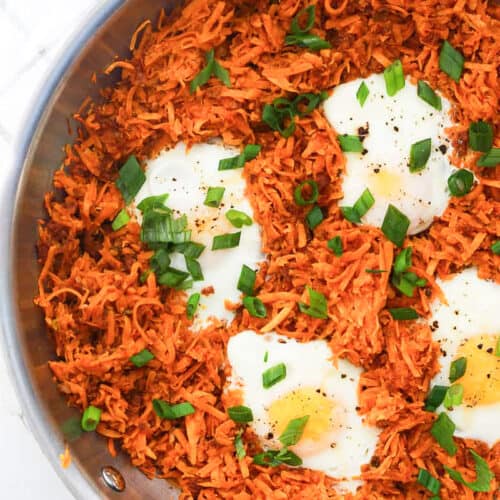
(32, 34)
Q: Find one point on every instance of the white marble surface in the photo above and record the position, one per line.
(32, 34)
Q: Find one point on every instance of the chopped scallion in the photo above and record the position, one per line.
(480, 136)
(451, 61)
(454, 396)
(490, 159)
(172, 278)
(298, 194)
(362, 93)
(457, 368)
(212, 67)
(318, 306)
(189, 249)
(223, 241)
(495, 247)
(428, 481)
(296, 27)
(395, 225)
(428, 95)
(214, 196)
(403, 260)
(435, 397)
(246, 281)
(250, 151)
(273, 375)
(194, 268)
(335, 245)
(239, 447)
(293, 431)
(153, 202)
(350, 143)
(171, 412)
(403, 313)
(90, 418)
(314, 217)
(192, 305)
(160, 261)
(442, 430)
(308, 41)
(238, 219)
(121, 220)
(240, 414)
(460, 182)
(364, 202)
(130, 179)
(419, 155)
(255, 307)
(394, 78)
(142, 358)
(484, 475)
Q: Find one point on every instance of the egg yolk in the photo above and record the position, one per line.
(299, 403)
(481, 380)
(385, 183)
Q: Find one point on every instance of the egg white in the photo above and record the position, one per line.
(393, 125)
(186, 176)
(472, 310)
(349, 443)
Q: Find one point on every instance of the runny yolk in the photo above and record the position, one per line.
(384, 183)
(481, 380)
(299, 403)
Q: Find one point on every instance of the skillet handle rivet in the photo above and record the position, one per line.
(113, 478)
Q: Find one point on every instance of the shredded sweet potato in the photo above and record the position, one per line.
(100, 314)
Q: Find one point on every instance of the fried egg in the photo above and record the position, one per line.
(186, 176)
(469, 326)
(335, 440)
(390, 125)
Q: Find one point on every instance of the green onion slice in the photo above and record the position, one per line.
(223, 241)
(250, 151)
(194, 268)
(214, 196)
(308, 41)
(273, 375)
(255, 307)
(351, 214)
(435, 397)
(90, 418)
(275, 117)
(407, 282)
(240, 414)
(490, 159)
(153, 202)
(403, 313)
(296, 28)
(239, 447)
(483, 474)
(298, 194)
(246, 281)
(266, 356)
(428, 481)
(238, 219)
(130, 179)
(335, 245)
(480, 136)
(318, 306)
(350, 143)
(495, 247)
(403, 260)
(313, 100)
(160, 261)
(428, 95)
(192, 305)
(419, 155)
(451, 61)
(457, 368)
(293, 431)
(189, 249)
(362, 93)
(454, 396)
(172, 278)
(142, 358)
(394, 78)
(170, 412)
(395, 225)
(314, 217)
(159, 227)
(274, 458)
(221, 73)
(364, 202)
(375, 271)
(204, 75)
(460, 183)
(121, 220)
(442, 430)
(497, 347)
